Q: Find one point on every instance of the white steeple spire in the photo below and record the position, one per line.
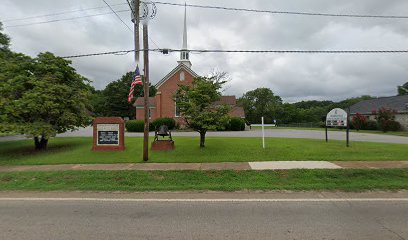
(184, 54)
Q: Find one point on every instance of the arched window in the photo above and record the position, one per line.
(182, 76)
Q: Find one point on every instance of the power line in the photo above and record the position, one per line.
(63, 19)
(117, 15)
(134, 14)
(285, 12)
(123, 52)
(60, 13)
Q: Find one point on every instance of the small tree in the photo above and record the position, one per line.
(385, 118)
(41, 97)
(197, 105)
(359, 121)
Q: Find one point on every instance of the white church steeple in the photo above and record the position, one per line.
(184, 54)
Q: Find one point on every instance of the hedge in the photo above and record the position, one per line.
(236, 124)
(135, 126)
(169, 122)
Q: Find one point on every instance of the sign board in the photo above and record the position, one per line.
(336, 118)
(108, 134)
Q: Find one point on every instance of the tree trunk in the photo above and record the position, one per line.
(202, 139)
(40, 143)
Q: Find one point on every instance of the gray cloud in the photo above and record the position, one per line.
(294, 77)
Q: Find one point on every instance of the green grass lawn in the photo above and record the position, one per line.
(344, 180)
(78, 150)
(402, 134)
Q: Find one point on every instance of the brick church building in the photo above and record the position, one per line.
(163, 105)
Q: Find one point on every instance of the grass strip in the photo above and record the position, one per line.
(218, 149)
(139, 181)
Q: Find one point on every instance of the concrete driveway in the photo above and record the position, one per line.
(276, 133)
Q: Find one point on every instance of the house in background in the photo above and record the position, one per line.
(163, 105)
(397, 103)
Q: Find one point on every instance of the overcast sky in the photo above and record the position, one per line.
(294, 77)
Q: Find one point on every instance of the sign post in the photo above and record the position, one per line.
(338, 118)
(348, 127)
(263, 133)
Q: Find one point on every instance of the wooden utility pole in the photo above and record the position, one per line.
(136, 6)
(146, 92)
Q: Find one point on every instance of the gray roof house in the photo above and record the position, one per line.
(396, 103)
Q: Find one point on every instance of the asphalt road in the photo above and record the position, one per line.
(256, 133)
(202, 219)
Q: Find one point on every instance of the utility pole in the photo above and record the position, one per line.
(136, 20)
(149, 12)
(146, 91)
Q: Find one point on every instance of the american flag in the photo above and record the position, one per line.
(137, 80)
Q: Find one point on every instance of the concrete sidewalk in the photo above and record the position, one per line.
(275, 165)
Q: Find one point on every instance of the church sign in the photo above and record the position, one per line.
(336, 118)
(108, 134)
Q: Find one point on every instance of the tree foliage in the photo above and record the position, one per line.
(260, 102)
(403, 90)
(359, 121)
(386, 120)
(41, 96)
(4, 39)
(113, 100)
(197, 105)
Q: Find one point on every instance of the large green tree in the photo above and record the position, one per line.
(113, 100)
(403, 90)
(41, 96)
(4, 39)
(197, 105)
(260, 102)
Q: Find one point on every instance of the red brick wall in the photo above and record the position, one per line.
(168, 89)
(140, 114)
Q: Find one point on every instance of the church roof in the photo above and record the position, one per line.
(140, 102)
(174, 71)
(397, 103)
(227, 100)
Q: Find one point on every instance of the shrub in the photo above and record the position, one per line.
(370, 125)
(393, 125)
(385, 119)
(169, 122)
(359, 121)
(135, 126)
(236, 124)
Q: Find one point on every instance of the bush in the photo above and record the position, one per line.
(135, 126)
(169, 122)
(236, 124)
(370, 125)
(392, 125)
(359, 121)
(385, 119)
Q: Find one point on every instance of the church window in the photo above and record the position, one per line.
(177, 108)
(182, 76)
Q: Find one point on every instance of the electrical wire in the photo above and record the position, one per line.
(123, 52)
(117, 15)
(63, 19)
(60, 13)
(201, 6)
(134, 14)
(284, 12)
